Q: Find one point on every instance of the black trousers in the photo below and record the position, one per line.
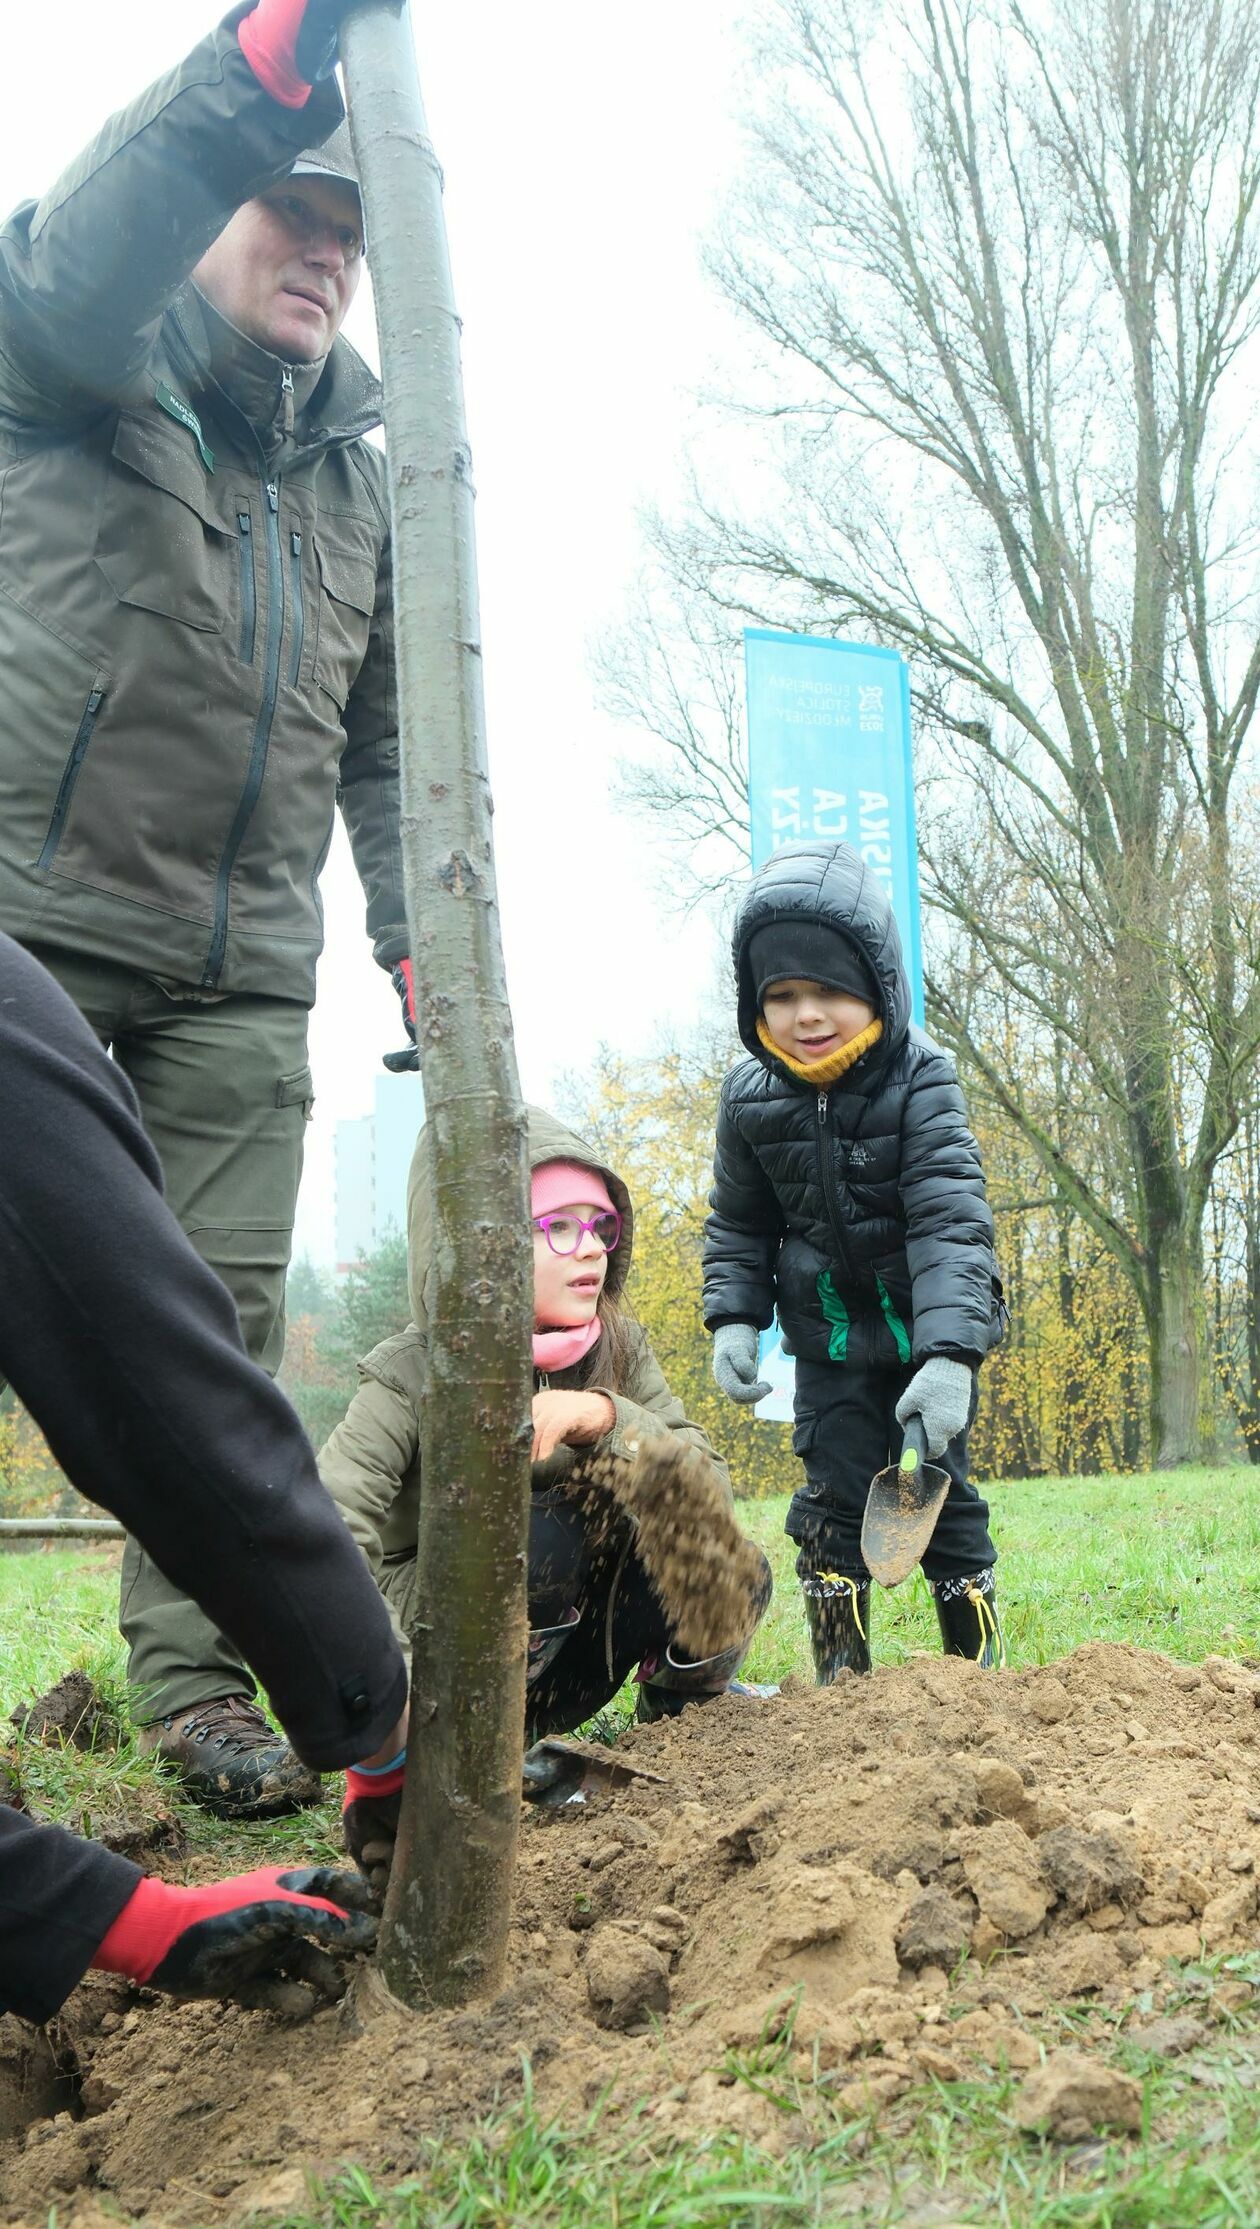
(620, 1623)
(126, 1350)
(846, 1430)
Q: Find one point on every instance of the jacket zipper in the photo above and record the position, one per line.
(299, 614)
(829, 1184)
(249, 587)
(65, 788)
(262, 736)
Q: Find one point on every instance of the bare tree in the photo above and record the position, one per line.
(675, 668)
(1003, 267)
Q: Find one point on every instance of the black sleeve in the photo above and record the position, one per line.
(126, 1350)
(742, 1233)
(949, 1226)
(59, 1897)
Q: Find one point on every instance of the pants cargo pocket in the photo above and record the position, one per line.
(297, 1090)
(253, 1261)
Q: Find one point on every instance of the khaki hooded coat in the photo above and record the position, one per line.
(371, 1462)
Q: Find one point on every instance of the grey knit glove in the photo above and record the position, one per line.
(735, 1362)
(939, 1394)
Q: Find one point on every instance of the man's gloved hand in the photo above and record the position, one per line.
(398, 1064)
(939, 1394)
(291, 44)
(261, 1940)
(369, 1820)
(735, 1362)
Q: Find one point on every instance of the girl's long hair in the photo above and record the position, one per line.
(614, 1352)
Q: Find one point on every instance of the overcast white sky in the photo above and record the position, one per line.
(584, 151)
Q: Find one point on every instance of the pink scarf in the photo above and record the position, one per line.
(559, 1350)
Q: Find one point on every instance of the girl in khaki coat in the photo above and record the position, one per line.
(599, 1390)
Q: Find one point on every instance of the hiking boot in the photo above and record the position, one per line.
(230, 1760)
(967, 1613)
(838, 1614)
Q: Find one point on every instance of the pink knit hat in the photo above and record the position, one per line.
(564, 1184)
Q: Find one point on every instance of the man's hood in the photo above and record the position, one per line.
(832, 884)
(549, 1140)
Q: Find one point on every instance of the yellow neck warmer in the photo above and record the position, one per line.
(829, 1070)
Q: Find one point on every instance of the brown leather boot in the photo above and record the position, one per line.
(230, 1760)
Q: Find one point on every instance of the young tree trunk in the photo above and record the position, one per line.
(444, 1933)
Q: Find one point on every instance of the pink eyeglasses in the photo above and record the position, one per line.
(564, 1232)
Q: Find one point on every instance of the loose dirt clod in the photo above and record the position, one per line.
(839, 1878)
(71, 1712)
(934, 1932)
(1090, 1870)
(626, 1978)
(1071, 2097)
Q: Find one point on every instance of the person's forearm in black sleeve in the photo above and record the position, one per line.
(58, 1898)
(126, 1350)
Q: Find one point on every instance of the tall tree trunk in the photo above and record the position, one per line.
(444, 1934)
(1174, 1305)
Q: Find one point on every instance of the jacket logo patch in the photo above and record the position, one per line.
(184, 415)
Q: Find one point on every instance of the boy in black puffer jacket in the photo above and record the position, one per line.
(848, 1192)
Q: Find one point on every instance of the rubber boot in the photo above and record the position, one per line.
(967, 1613)
(837, 1613)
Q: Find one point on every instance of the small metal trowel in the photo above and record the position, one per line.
(558, 1772)
(901, 1510)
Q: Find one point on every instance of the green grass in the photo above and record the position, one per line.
(946, 2155)
(1167, 1562)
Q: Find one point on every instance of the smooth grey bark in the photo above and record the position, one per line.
(444, 1931)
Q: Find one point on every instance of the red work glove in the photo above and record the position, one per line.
(399, 1063)
(369, 1820)
(254, 1939)
(290, 44)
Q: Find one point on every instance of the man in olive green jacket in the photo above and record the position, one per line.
(197, 668)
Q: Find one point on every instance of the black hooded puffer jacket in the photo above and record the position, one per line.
(860, 1211)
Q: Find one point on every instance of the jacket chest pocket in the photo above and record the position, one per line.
(160, 544)
(347, 599)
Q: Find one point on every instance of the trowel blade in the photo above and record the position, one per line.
(900, 1519)
(556, 1771)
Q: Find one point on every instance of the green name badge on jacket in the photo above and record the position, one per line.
(175, 407)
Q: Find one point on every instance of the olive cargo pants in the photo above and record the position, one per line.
(225, 1095)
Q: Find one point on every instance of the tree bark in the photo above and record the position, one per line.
(444, 1932)
(1174, 1304)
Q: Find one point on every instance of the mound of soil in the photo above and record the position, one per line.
(895, 1878)
(71, 1713)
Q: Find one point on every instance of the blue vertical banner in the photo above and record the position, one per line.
(829, 756)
